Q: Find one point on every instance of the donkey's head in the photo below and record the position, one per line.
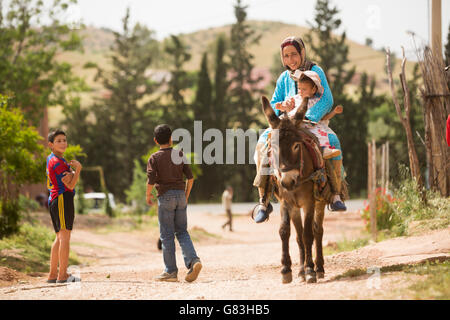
(286, 144)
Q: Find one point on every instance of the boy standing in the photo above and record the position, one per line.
(165, 170)
(61, 181)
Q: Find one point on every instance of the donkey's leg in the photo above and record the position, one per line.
(297, 220)
(285, 232)
(308, 238)
(318, 235)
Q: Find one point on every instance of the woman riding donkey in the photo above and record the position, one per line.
(293, 57)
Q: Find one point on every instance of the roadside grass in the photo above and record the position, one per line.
(346, 245)
(198, 234)
(129, 223)
(435, 284)
(28, 250)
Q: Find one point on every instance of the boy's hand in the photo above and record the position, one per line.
(75, 164)
(67, 177)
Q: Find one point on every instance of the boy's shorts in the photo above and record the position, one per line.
(62, 211)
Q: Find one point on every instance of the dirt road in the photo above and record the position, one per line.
(244, 264)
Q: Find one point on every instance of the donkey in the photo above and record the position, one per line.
(294, 189)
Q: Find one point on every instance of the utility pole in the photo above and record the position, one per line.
(436, 26)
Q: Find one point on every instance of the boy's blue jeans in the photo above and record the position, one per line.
(173, 222)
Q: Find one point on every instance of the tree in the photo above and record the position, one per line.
(124, 118)
(30, 39)
(329, 50)
(244, 96)
(22, 160)
(221, 85)
(176, 111)
(203, 107)
(136, 194)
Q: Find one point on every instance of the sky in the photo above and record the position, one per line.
(386, 22)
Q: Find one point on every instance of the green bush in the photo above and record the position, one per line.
(31, 246)
(386, 217)
(22, 160)
(395, 213)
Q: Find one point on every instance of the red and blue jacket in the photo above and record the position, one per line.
(55, 168)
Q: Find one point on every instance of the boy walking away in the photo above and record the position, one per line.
(61, 181)
(227, 196)
(165, 170)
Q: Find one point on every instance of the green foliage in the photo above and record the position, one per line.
(22, 160)
(398, 212)
(244, 95)
(386, 217)
(32, 245)
(74, 152)
(30, 38)
(346, 245)
(136, 194)
(331, 52)
(176, 111)
(9, 217)
(80, 202)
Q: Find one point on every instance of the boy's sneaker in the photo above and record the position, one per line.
(71, 278)
(194, 270)
(169, 277)
(329, 153)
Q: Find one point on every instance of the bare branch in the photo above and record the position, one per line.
(391, 84)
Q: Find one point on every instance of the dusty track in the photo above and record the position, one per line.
(244, 264)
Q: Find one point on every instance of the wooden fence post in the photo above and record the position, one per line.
(372, 152)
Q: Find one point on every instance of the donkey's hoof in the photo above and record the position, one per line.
(287, 277)
(311, 278)
(301, 275)
(320, 275)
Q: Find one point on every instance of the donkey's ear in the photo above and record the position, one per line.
(271, 117)
(300, 114)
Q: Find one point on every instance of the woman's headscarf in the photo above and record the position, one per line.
(298, 44)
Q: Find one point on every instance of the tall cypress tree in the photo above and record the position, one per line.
(203, 108)
(244, 96)
(221, 85)
(329, 51)
(175, 111)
